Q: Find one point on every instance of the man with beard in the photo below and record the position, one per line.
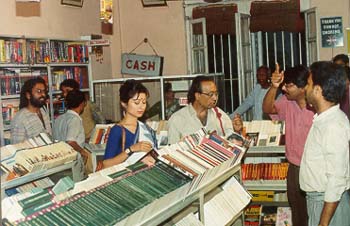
(32, 119)
(292, 108)
(201, 112)
(325, 169)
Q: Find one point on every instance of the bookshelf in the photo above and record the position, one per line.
(266, 193)
(22, 58)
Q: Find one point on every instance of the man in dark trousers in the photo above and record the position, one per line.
(292, 108)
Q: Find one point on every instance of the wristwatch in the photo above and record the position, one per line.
(128, 151)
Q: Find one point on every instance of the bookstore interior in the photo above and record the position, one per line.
(205, 178)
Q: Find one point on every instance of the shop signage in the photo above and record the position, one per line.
(332, 32)
(146, 65)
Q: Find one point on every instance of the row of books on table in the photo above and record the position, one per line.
(35, 154)
(111, 195)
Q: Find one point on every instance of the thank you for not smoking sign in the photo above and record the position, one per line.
(332, 32)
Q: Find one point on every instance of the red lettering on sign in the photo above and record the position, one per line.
(143, 65)
(151, 66)
(136, 65)
(128, 64)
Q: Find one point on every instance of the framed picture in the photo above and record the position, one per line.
(150, 3)
(76, 3)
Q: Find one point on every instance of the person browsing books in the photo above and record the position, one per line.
(130, 137)
(91, 114)
(255, 98)
(325, 167)
(69, 128)
(202, 112)
(292, 108)
(32, 118)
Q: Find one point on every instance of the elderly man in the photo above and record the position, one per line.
(201, 112)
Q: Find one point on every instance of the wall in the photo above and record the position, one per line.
(341, 8)
(56, 21)
(163, 26)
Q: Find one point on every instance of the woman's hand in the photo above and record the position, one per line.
(143, 146)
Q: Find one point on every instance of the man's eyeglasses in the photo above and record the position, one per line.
(289, 85)
(211, 94)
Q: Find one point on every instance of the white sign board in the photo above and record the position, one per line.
(142, 64)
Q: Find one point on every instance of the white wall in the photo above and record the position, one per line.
(163, 26)
(337, 8)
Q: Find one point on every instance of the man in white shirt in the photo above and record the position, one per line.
(69, 127)
(201, 112)
(325, 169)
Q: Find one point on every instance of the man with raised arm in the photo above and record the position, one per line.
(292, 108)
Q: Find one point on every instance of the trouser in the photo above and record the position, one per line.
(296, 197)
(78, 169)
(315, 202)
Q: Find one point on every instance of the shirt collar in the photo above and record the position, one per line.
(326, 113)
(74, 113)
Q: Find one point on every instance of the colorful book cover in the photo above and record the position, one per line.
(284, 216)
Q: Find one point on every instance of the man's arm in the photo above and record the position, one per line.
(269, 99)
(247, 103)
(79, 149)
(327, 213)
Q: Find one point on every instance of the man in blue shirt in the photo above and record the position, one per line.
(255, 98)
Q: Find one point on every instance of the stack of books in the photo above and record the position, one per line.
(9, 152)
(99, 137)
(44, 157)
(264, 132)
(201, 156)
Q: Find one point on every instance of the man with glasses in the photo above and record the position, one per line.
(201, 112)
(32, 118)
(293, 109)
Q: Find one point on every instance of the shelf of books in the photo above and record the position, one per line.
(185, 174)
(23, 58)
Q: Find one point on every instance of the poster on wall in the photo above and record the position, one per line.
(106, 11)
(332, 32)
